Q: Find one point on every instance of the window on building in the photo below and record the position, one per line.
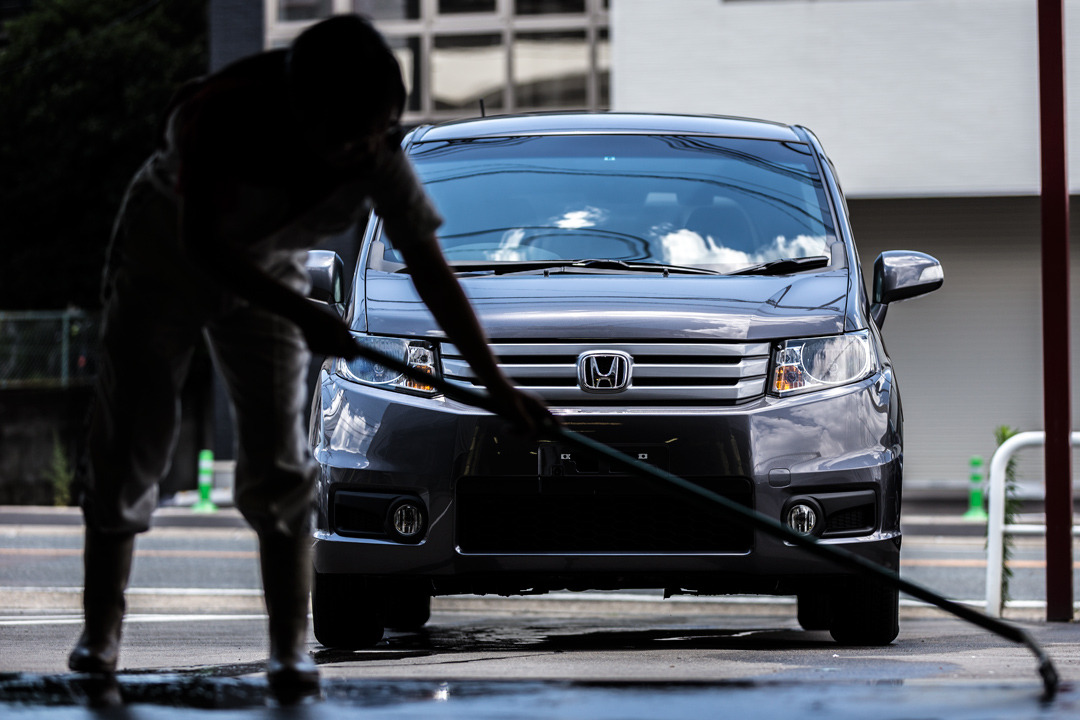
(603, 68)
(388, 9)
(449, 7)
(407, 52)
(551, 69)
(466, 69)
(544, 7)
(291, 10)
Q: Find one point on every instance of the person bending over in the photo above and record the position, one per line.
(255, 164)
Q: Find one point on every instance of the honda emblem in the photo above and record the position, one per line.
(604, 371)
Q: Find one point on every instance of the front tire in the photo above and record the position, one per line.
(865, 613)
(407, 609)
(814, 610)
(346, 611)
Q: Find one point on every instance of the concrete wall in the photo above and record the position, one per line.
(909, 97)
(32, 421)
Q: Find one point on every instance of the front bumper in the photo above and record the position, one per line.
(838, 442)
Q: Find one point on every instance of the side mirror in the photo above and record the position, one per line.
(326, 271)
(902, 275)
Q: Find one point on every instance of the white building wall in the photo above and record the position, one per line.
(968, 357)
(909, 97)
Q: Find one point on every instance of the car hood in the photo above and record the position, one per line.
(621, 307)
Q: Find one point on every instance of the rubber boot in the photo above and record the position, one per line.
(106, 566)
(286, 573)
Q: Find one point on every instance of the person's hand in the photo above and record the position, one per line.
(527, 414)
(327, 335)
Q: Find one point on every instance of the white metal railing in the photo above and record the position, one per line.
(996, 529)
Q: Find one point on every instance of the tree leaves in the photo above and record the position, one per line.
(81, 87)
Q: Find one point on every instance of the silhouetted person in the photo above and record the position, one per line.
(255, 164)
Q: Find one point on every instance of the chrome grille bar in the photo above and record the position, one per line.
(675, 372)
(634, 348)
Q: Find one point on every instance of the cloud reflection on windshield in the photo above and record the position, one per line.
(686, 247)
(576, 219)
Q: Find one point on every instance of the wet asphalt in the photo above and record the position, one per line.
(578, 657)
(615, 660)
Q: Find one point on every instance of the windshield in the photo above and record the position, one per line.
(719, 204)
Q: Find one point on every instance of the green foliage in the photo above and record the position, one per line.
(82, 85)
(60, 474)
(1012, 507)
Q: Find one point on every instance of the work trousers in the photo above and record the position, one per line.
(157, 304)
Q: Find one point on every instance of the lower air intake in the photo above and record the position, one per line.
(852, 520)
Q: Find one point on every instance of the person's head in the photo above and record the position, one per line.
(344, 86)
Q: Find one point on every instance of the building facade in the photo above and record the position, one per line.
(510, 55)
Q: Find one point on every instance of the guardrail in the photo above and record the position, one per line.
(996, 529)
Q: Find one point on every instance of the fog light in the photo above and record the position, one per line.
(408, 520)
(405, 519)
(802, 518)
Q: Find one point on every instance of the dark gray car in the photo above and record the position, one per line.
(685, 289)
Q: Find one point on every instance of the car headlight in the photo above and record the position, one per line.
(816, 363)
(419, 354)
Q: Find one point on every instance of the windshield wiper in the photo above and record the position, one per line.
(525, 266)
(785, 266)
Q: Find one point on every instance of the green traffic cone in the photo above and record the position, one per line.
(975, 497)
(206, 483)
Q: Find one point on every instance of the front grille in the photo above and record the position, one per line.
(590, 515)
(717, 373)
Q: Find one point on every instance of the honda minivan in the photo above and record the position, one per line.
(685, 289)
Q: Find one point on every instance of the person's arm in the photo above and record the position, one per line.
(439, 289)
(410, 220)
